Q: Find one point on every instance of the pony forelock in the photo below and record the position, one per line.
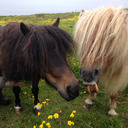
(102, 33)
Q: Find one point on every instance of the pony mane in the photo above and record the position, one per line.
(102, 34)
(26, 56)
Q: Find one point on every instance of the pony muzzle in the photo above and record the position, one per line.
(93, 88)
(72, 92)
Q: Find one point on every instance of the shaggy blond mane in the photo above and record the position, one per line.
(102, 34)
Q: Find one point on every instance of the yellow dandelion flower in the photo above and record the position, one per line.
(69, 122)
(34, 126)
(60, 111)
(41, 105)
(72, 123)
(47, 99)
(25, 93)
(50, 117)
(43, 122)
(56, 115)
(38, 113)
(72, 115)
(44, 102)
(41, 126)
(38, 105)
(48, 124)
(74, 111)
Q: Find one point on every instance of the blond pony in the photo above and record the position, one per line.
(103, 34)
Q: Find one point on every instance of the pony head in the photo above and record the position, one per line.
(38, 52)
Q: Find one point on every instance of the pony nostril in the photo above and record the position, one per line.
(95, 72)
(69, 90)
(73, 91)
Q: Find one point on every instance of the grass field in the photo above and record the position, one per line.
(52, 103)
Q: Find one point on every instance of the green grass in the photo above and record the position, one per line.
(95, 117)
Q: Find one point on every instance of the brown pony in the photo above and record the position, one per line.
(101, 37)
(29, 52)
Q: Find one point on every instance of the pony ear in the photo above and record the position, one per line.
(56, 24)
(81, 13)
(24, 29)
(82, 10)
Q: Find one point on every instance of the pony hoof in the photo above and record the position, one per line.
(112, 113)
(87, 104)
(18, 109)
(36, 111)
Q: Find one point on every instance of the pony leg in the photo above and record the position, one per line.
(35, 91)
(112, 111)
(88, 102)
(16, 91)
(93, 90)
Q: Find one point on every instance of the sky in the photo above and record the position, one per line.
(27, 7)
